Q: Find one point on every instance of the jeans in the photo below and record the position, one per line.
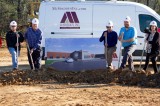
(128, 56)
(108, 54)
(13, 53)
(36, 57)
(153, 59)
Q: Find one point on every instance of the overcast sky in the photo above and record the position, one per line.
(69, 45)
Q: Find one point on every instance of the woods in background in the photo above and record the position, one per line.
(19, 10)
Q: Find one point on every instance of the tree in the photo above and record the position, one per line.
(18, 10)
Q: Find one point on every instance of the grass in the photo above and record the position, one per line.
(48, 62)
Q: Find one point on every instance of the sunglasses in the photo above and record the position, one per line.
(108, 27)
(13, 26)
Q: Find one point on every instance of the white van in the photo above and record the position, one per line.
(87, 19)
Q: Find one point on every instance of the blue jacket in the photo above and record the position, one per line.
(128, 34)
(112, 38)
(34, 38)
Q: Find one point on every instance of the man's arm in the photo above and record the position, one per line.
(134, 34)
(9, 42)
(21, 38)
(102, 37)
(38, 42)
(121, 34)
(129, 40)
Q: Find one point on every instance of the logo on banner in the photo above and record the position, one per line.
(70, 21)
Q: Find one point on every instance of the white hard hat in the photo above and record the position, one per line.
(13, 23)
(153, 23)
(110, 23)
(35, 21)
(127, 19)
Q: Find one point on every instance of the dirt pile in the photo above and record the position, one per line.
(89, 76)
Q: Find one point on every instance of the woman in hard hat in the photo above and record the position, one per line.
(110, 39)
(152, 48)
(11, 40)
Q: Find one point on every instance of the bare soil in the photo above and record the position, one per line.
(50, 87)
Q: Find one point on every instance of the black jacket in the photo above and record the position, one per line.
(155, 43)
(11, 39)
(112, 38)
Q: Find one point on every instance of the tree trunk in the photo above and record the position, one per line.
(147, 2)
(19, 9)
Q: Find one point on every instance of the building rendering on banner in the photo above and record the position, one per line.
(76, 55)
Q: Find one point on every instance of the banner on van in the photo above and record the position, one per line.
(70, 21)
(76, 54)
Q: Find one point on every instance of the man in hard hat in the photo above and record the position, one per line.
(11, 40)
(128, 38)
(33, 37)
(110, 41)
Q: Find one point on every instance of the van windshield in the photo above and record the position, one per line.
(144, 21)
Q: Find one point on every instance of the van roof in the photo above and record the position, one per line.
(129, 3)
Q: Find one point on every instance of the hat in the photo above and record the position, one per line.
(35, 21)
(110, 23)
(128, 19)
(13, 23)
(153, 23)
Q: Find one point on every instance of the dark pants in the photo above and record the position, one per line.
(128, 56)
(153, 59)
(36, 56)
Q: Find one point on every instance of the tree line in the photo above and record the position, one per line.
(19, 10)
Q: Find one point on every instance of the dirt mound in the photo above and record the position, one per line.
(88, 76)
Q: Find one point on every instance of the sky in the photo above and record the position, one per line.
(74, 44)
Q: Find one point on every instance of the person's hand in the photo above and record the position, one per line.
(17, 35)
(123, 41)
(17, 44)
(106, 44)
(122, 33)
(105, 34)
(31, 51)
(120, 37)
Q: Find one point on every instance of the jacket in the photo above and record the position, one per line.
(112, 38)
(11, 39)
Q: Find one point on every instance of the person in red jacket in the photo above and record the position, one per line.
(0, 42)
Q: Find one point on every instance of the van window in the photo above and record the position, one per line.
(144, 21)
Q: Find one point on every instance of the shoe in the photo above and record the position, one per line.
(110, 67)
(36, 70)
(14, 69)
(158, 72)
(118, 71)
(133, 71)
(149, 73)
(143, 71)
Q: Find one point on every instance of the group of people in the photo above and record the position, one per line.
(33, 38)
(128, 38)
